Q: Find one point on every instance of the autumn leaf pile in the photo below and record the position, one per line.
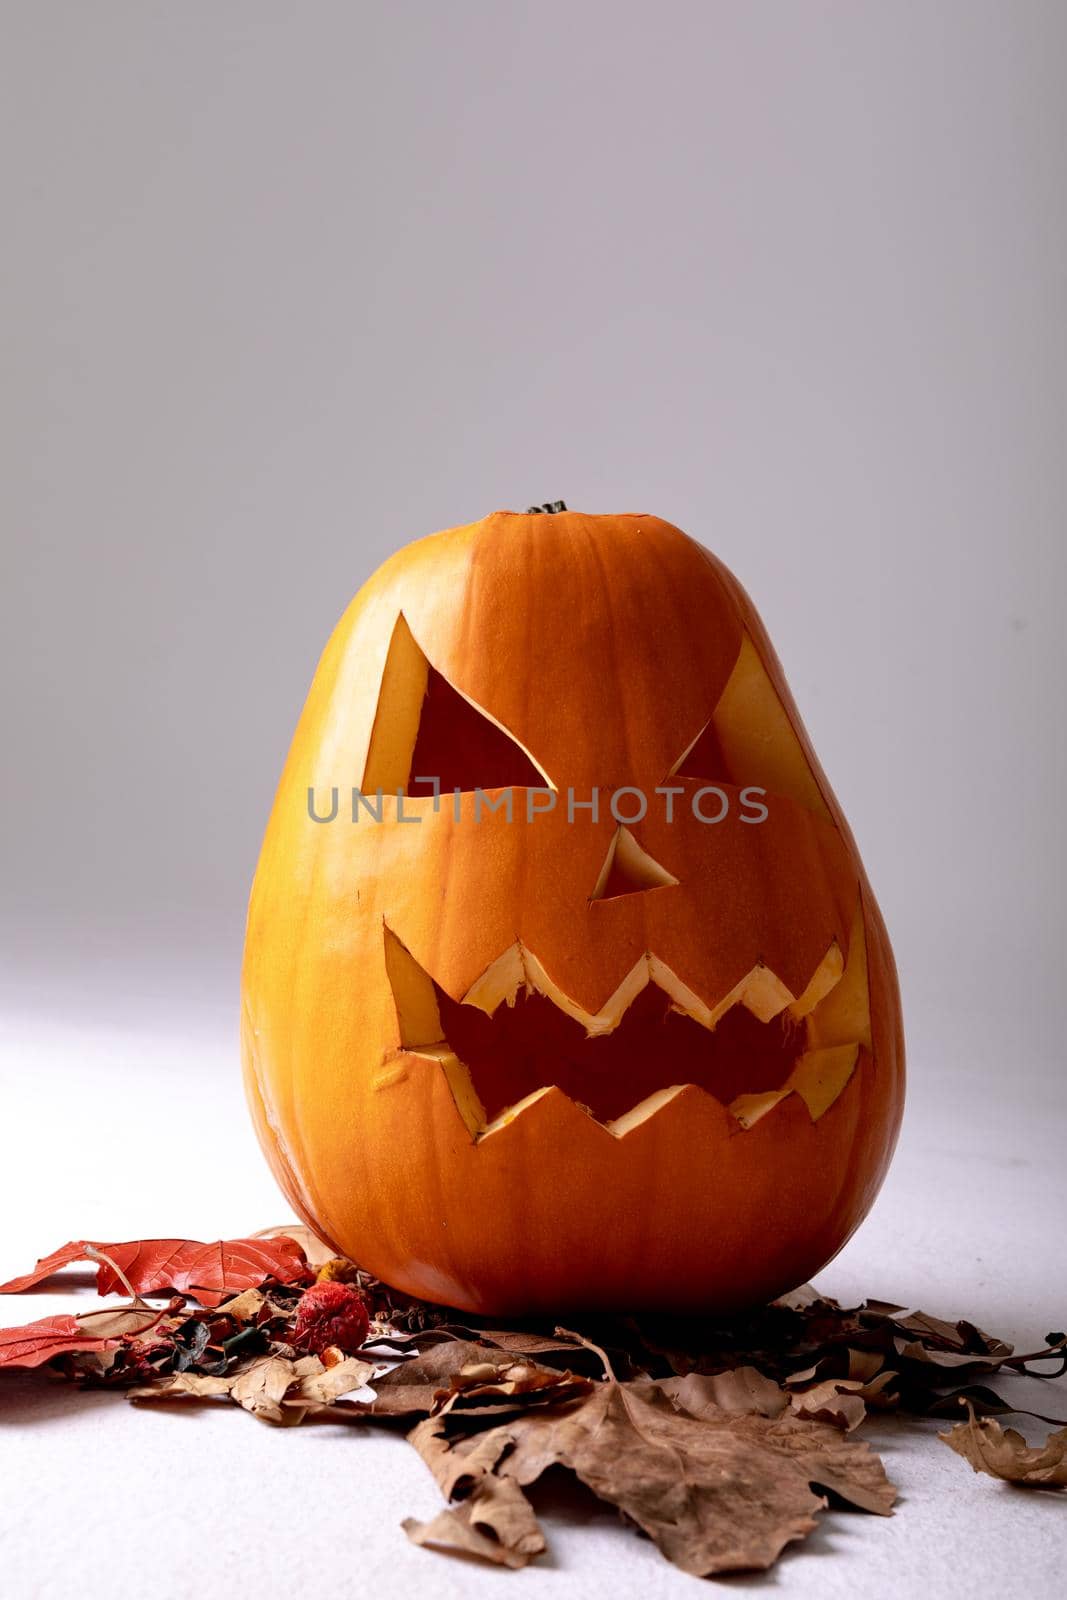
(721, 1440)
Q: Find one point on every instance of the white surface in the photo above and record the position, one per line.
(116, 1133)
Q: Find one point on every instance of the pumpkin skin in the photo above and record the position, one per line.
(523, 1066)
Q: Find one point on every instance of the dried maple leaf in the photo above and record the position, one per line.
(208, 1272)
(722, 1492)
(1004, 1453)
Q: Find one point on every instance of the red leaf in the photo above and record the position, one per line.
(37, 1342)
(208, 1272)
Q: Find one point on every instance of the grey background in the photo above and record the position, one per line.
(285, 286)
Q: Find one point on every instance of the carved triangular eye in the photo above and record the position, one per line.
(463, 748)
(749, 740)
(703, 759)
(425, 729)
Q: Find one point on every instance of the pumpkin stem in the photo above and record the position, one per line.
(550, 506)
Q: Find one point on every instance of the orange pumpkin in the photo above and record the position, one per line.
(636, 1044)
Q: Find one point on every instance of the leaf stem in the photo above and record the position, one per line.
(100, 1255)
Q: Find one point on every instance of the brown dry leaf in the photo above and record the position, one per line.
(839, 1401)
(413, 1388)
(805, 1337)
(244, 1307)
(262, 1386)
(721, 1493)
(182, 1385)
(491, 1389)
(320, 1385)
(494, 1519)
(743, 1389)
(1004, 1453)
(409, 1389)
(273, 1388)
(496, 1523)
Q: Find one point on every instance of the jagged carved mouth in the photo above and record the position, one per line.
(515, 1036)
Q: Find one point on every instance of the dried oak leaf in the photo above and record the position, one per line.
(208, 1272)
(1004, 1453)
(724, 1491)
(274, 1388)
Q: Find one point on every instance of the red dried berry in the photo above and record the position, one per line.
(328, 1314)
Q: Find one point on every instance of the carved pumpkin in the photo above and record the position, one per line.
(643, 1058)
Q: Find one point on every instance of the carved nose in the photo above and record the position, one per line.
(628, 869)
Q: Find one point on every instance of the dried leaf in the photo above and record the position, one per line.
(262, 1386)
(321, 1385)
(193, 1385)
(208, 1272)
(839, 1401)
(491, 1389)
(244, 1307)
(494, 1520)
(721, 1493)
(496, 1523)
(1004, 1453)
(410, 1390)
(315, 1251)
(274, 1388)
(37, 1342)
(121, 1322)
(905, 1359)
(743, 1389)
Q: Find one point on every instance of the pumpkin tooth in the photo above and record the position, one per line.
(818, 1079)
(417, 1013)
(825, 977)
(645, 1110)
(760, 990)
(845, 1013)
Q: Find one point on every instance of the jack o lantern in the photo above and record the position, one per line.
(563, 984)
